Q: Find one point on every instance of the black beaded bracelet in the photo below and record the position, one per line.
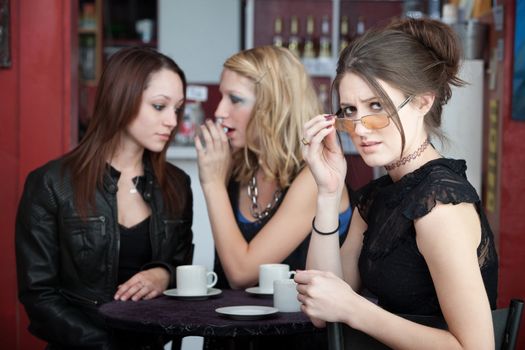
(325, 233)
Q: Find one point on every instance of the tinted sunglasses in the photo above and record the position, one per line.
(372, 121)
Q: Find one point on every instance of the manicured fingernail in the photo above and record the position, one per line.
(329, 117)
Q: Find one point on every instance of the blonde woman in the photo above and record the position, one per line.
(259, 194)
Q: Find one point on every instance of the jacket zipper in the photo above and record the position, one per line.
(79, 297)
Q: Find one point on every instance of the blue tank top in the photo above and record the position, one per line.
(296, 260)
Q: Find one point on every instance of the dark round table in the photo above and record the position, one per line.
(170, 316)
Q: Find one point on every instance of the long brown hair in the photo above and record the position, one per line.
(414, 55)
(285, 99)
(117, 102)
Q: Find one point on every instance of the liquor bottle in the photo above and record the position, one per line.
(87, 57)
(323, 98)
(343, 39)
(277, 32)
(360, 27)
(88, 18)
(412, 9)
(309, 46)
(294, 41)
(325, 47)
(434, 9)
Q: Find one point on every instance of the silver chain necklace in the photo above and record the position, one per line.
(253, 192)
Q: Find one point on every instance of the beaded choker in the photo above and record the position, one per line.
(410, 157)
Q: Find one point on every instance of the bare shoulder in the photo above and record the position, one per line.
(449, 224)
(303, 190)
(304, 178)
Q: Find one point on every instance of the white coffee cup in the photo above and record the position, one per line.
(285, 296)
(194, 280)
(271, 272)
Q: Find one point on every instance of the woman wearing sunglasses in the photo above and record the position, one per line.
(419, 242)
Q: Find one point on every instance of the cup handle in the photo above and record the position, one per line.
(291, 274)
(213, 280)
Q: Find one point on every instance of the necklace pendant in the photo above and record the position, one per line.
(134, 183)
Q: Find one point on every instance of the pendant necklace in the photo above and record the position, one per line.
(135, 182)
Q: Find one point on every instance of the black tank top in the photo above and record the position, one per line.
(135, 249)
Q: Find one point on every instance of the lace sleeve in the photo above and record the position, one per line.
(442, 186)
(363, 198)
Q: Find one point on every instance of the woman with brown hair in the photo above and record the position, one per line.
(111, 219)
(419, 242)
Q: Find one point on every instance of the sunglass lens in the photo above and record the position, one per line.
(346, 125)
(375, 121)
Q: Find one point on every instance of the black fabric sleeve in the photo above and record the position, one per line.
(51, 316)
(441, 186)
(184, 250)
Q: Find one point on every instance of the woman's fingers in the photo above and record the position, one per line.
(214, 138)
(151, 295)
(315, 125)
(128, 290)
(206, 135)
(145, 284)
(217, 134)
(145, 290)
(198, 145)
(317, 144)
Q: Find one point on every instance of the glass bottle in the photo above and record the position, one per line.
(309, 46)
(343, 39)
(434, 9)
(325, 47)
(360, 26)
(277, 32)
(294, 42)
(323, 98)
(87, 57)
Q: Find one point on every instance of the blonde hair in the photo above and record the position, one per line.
(285, 99)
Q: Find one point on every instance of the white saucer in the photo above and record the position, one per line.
(247, 312)
(257, 292)
(211, 292)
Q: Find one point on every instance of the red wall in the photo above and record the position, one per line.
(512, 186)
(38, 118)
(38, 122)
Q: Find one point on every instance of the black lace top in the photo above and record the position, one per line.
(390, 265)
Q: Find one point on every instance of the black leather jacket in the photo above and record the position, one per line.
(67, 267)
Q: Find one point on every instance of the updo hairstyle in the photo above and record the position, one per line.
(413, 55)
